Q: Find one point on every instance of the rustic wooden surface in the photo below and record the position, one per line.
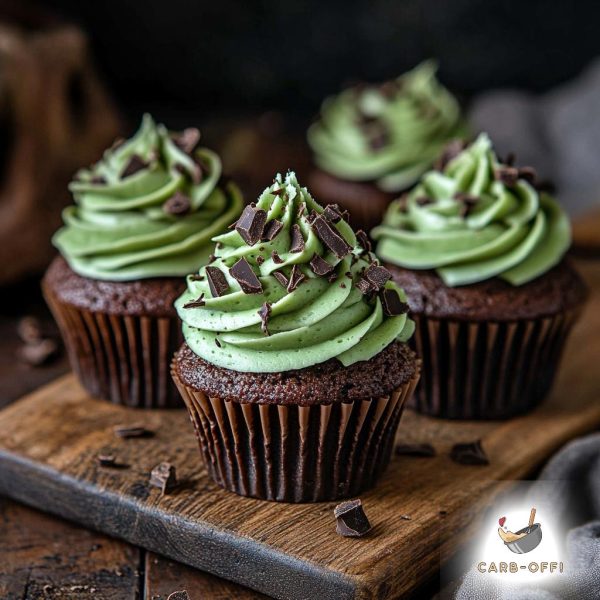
(285, 550)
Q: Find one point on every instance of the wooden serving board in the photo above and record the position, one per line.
(50, 439)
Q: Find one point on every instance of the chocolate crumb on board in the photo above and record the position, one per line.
(351, 520)
(251, 224)
(132, 431)
(38, 352)
(276, 258)
(320, 266)
(333, 213)
(180, 595)
(197, 303)
(136, 163)
(264, 313)
(450, 152)
(406, 517)
(331, 237)
(177, 205)
(297, 244)
(471, 453)
(164, 477)
(216, 281)
(98, 180)
(106, 460)
(377, 275)
(424, 201)
(271, 230)
(421, 450)
(242, 272)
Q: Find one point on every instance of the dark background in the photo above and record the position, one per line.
(231, 56)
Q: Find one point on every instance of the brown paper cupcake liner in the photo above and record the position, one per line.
(124, 359)
(487, 370)
(292, 453)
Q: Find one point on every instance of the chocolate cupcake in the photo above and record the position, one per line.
(372, 142)
(295, 369)
(144, 216)
(480, 253)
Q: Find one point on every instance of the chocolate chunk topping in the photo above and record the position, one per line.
(217, 343)
(297, 239)
(471, 453)
(507, 175)
(391, 303)
(271, 230)
(132, 431)
(98, 180)
(529, 174)
(242, 272)
(365, 287)
(450, 152)
(187, 140)
(423, 201)
(377, 275)
(331, 237)
(296, 278)
(260, 259)
(363, 240)
(164, 477)
(216, 281)
(195, 175)
(251, 224)
(403, 203)
(276, 258)
(135, 164)
(265, 312)
(333, 213)
(178, 204)
(195, 303)
(106, 460)
(351, 520)
(281, 278)
(320, 266)
(422, 450)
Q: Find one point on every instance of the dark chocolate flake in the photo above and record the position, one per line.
(333, 213)
(377, 275)
(320, 266)
(164, 477)
(276, 258)
(265, 312)
(471, 453)
(132, 431)
(297, 244)
(106, 460)
(351, 520)
(281, 278)
(260, 259)
(450, 152)
(195, 303)
(421, 450)
(242, 272)
(529, 174)
(178, 205)
(271, 230)
(424, 201)
(136, 163)
(187, 140)
(331, 237)
(251, 224)
(391, 303)
(507, 175)
(216, 281)
(363, 240)
(98, 180)
(296, 278)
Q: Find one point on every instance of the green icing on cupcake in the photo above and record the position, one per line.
(389, 134)
(475, 219)
(291, 287)
(148, 208)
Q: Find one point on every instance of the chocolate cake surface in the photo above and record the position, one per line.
(558, 290)
(150, 297)
(328, 382)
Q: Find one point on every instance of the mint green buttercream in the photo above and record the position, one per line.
(118, 228)
(512, 232)
(322, 318)
(415, 115)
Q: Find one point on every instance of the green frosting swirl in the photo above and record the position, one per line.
(469, 226)
(120, 227)
(389, 134)
(323, 318)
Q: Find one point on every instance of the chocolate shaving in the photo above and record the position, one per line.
(196, 303)
(297, 240)
(377, 275)
(507, 175)
(260, 259)
(242, 272)
(424, 201)
(421, 450)
(351, 520)
(320, 266)
(98, 180)
(271, 230)
(363, 240)
(391, 303)
(333, 213)
(135, 164)
(216, 281)
(296, 278)
(450, 152)
(471, 453)
(187, 140)
(365, 287)
(178, 205)
(276, 258)
(301, 209)
(469, 202)
(281, 278)
(251, 224)
(164, 477)
(265, 312)
(106, 460)
(332, 277)
(132, 431)
(331, 237)
(529, 174)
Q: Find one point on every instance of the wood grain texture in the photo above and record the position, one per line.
(284, 550)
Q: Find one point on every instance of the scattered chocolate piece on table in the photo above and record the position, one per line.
(38, 353)
(135, 164)
(423, 201)
(320, 266)
(177, 205)
(276, 258)
(132, 431)
(181, 595)
(471, 453)
(107, 460)
(363, 240)
(507, 175)
(422, 450)
(242, 272)
(271, 230)
(216, 281)
(391, 303)
(406, 517)
(251, 224)
(331, 237)
(297, 244)
(351, 519)
(164, 477)
(333, 213)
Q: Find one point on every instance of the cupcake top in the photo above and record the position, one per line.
(291, 286)
(148, 208)
(474, 219)
(389, 134)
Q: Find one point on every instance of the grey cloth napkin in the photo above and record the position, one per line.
(558, 133)
(574, 494)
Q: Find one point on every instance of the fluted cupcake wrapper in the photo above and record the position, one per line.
(293, 453)
(487, 370)
(121, 358)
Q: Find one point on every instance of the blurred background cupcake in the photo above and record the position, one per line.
(295, 369)
(373, 141)
(479, 250)
(143, 217)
